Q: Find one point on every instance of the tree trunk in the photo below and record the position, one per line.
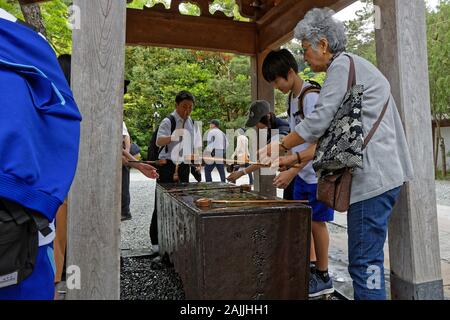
(33, 16)
(436, 143)
(443, 154)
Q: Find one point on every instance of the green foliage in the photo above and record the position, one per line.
(220, 83)
(361, 33)
(228, 7)
(139, 4)
(12, 6)
(440, 176)
(54, 15)
(438, 25)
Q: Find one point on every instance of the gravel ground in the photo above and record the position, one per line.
(443, 193)
(144, 278)
(135, 232)
(149, 279)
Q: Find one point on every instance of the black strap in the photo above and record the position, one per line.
(22, 215)
(173, 125)
(16, 211)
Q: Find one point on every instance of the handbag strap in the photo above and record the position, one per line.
(351, 84)
(352, 74)
(376, 125)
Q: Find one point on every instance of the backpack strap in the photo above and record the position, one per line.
(314, 87)
(289, 104)
(173, 125)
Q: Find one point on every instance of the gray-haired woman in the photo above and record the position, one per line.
(386, 160)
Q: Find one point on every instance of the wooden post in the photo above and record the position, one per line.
(262, 90)
(413, 231)
(94, 202)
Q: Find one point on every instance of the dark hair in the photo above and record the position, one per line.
(268, 120)
(65, 62)
(215, 122)
(184, 95)
(277, 64)
(125, 86)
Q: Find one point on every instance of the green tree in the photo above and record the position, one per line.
(55, 19)
(220, 83)
(361, 33)
(228, 7)
(12, 6)
(438, 27)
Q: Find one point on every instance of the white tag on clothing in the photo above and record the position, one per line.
(8, 280)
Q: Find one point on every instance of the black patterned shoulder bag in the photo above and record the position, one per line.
(340, 150)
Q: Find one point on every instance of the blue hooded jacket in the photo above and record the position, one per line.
(39, 122)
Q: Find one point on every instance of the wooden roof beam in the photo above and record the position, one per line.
(168, 29)
(277, 26)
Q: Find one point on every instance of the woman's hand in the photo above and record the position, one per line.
(287, 162)
(235, 176)
(283, 180)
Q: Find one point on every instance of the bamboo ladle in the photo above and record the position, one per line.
(242, 188)
(205, 202)
(153, 163)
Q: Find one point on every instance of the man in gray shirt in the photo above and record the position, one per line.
(183, 141)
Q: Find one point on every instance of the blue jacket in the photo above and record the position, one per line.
(39, 122)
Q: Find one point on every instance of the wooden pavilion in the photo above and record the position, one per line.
(107, 26)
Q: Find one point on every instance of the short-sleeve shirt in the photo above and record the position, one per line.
(310, 99)
(125, 129)
(217, 140)
(190, 140)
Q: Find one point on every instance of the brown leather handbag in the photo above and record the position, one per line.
(334, 188)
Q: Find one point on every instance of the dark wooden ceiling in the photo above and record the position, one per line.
(271, 23)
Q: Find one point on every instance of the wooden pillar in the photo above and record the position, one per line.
(262, 90)
(413, 231)
(94, 203)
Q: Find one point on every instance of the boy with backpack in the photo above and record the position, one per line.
(281, 70)
(175, 138)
